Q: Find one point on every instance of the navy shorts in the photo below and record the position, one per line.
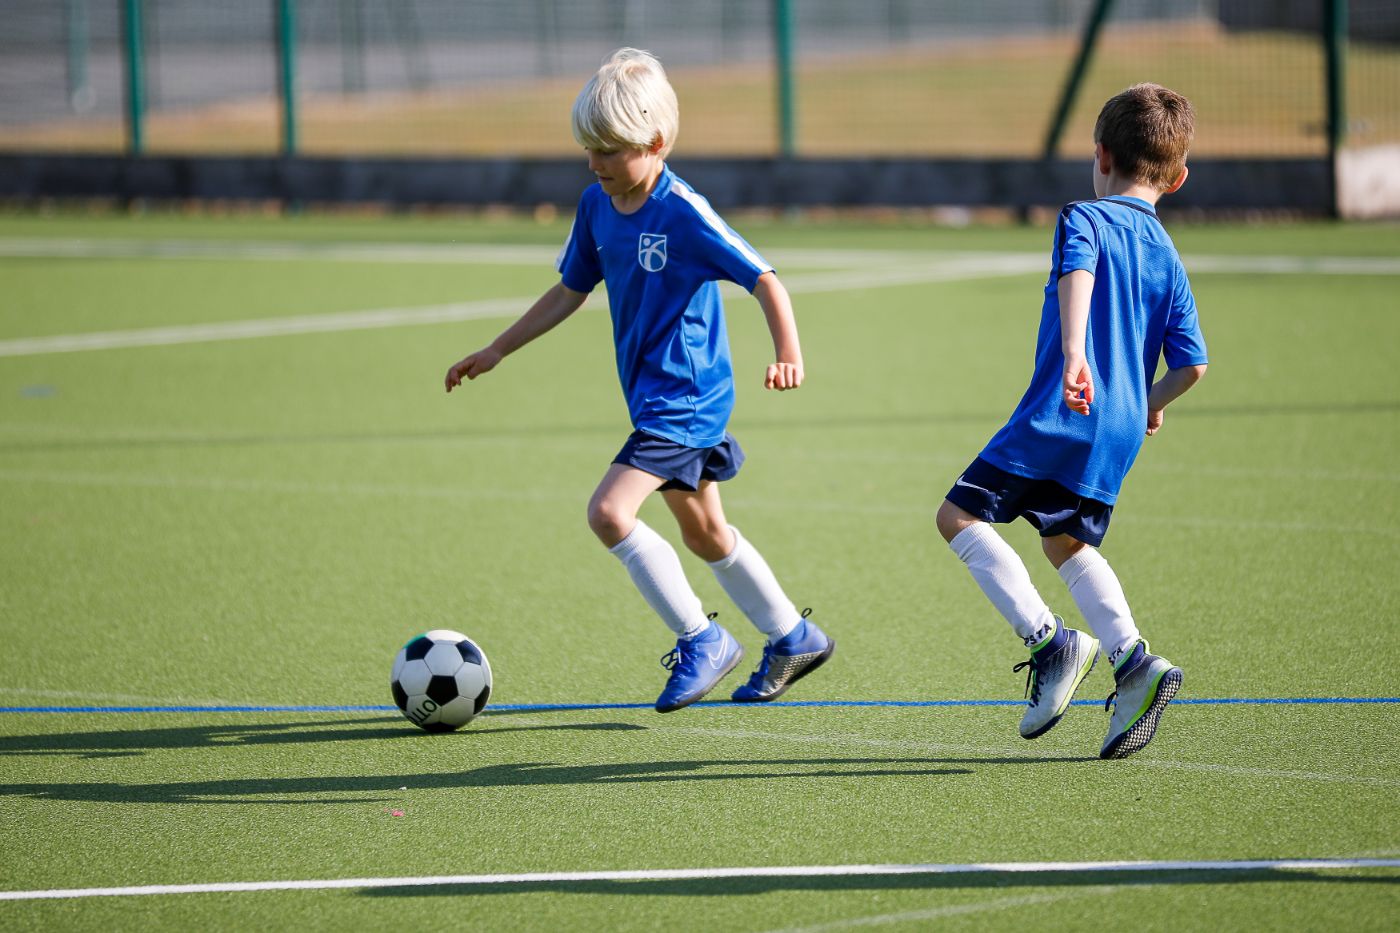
(680, 466)
(994, 495)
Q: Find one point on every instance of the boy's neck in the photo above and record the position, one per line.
(629, 202)
(1116, 187)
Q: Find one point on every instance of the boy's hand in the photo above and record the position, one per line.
(1154, 420)
(783, 376)
(1078, 385)
(482, 361)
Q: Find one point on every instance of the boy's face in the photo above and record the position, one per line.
(623, 170)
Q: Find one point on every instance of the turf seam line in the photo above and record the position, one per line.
(688, 874)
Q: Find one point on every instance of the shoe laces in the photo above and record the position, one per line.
(684, 650)
(1032, 681)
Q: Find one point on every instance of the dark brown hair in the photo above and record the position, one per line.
(1147, 129)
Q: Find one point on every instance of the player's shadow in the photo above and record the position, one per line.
(730, 887)
(128, 742)
(373, 788)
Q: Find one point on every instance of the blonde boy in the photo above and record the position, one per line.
(662, 250)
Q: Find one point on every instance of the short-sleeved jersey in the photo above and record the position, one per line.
(1142, 309)
(662, 265)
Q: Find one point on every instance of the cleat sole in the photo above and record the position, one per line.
(1136, 737)
(816, 663)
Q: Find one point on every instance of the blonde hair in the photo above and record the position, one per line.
(1148, 130)
(628, 103)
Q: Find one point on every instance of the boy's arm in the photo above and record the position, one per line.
(773, 298)
(1168, 389)
(553, 306)
(1075, 290)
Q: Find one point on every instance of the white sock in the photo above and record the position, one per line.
(1002, 575)
(1098, 594)
(747, 579)
(656, 570)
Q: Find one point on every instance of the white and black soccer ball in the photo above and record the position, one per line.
(441, 680)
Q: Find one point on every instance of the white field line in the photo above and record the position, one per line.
(1015, 752)
(538, 255)
(693, 874)
(263, 327)
(917, 269)
(440, 314)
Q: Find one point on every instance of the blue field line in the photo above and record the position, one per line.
(565, 707)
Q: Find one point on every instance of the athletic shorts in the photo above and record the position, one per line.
(680, 466)
(994, 495)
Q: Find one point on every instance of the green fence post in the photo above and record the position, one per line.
(787, 107)
(286, 72)
(135, 86)
(1092, 27)
(1334, 35)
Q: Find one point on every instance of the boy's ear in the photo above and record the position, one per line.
(1176, 185)
(1102, 159)
(656, 144)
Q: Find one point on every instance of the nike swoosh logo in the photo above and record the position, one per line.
(961, 482)
(714, 658)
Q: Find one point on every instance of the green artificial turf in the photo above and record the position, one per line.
(264, 521)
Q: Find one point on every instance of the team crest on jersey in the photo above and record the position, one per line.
(651, 251)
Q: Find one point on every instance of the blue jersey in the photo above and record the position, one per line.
(1142, 309)
(662, 265)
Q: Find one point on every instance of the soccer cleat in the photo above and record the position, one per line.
(1058, 665)
(696, 665)
(787, 661)
(1146, 684)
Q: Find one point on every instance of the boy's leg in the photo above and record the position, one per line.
(796, 646)
(999, 572)
(1096, 591)
(1145, 682)
(650, 560)
(1061, 657)
(740, 569)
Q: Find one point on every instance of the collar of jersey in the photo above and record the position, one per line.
(1122, 198)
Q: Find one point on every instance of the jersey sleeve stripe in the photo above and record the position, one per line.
(564, 250)
(707, 214)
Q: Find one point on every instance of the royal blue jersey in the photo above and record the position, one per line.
(1142, 309)
(662, 265)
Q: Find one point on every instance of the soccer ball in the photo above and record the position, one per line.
(440, 680)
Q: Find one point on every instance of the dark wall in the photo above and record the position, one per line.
(1219, 184)
(1372, 22)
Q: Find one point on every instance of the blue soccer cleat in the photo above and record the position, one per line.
(696, 665)
(787, 661)
(1146, 684)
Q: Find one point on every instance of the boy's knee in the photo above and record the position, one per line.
(609, 522)
(952, 519)
(709, 541)
(1060, 548)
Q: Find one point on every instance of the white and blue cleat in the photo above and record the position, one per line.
(1058, 665)
(787, 661)
(696, 665)
(1146, 684)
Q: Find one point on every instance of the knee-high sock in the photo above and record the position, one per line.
(1096, 591)
(747, 579)
(1002, 575)
(656, 570)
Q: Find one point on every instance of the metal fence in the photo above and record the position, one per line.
(821, 78)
